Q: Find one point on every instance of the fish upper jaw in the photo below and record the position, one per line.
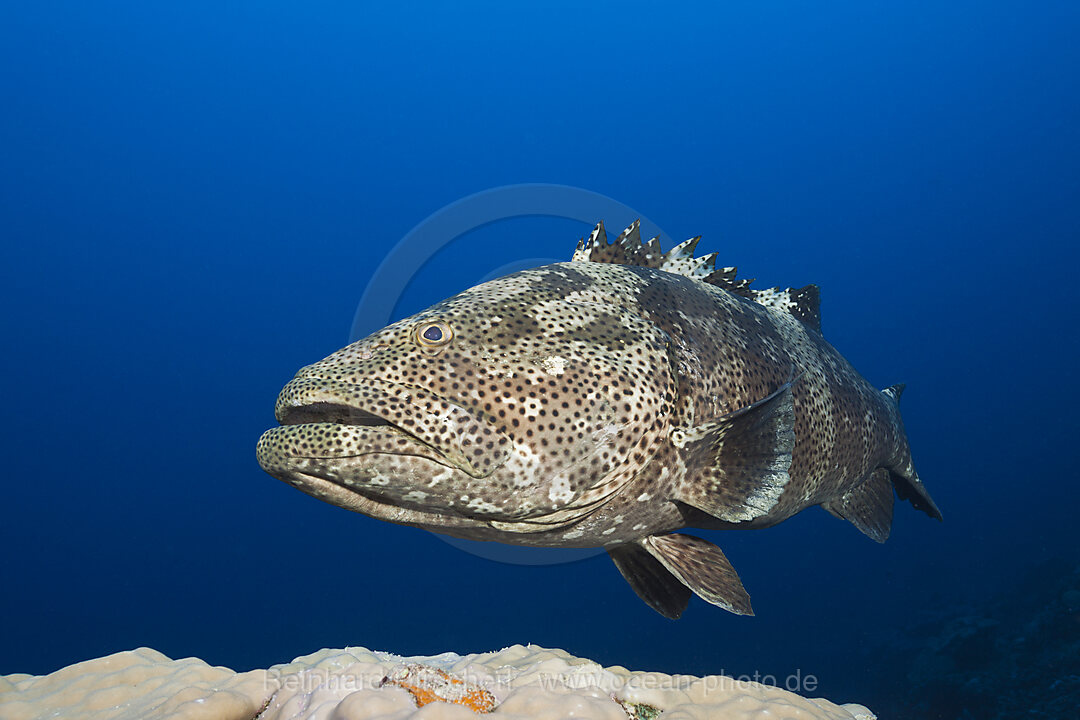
(383, 417)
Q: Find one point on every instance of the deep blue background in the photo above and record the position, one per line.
(193, 196)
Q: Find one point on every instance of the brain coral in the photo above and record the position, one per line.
(520, 683)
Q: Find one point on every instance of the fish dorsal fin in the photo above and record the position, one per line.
(738, 465)
(628, 249)
(804, 303)
(895, 391)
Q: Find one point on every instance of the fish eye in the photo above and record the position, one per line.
(433, 334)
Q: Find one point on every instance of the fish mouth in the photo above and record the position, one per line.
(334, 413)
(330, 419)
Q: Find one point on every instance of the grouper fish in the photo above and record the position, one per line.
(605, 402)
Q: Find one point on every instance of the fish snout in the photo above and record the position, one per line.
(467, 439)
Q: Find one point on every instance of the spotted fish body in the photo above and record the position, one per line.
(608, 401)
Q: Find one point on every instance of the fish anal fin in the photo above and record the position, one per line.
(652, 582)
(868, 506)
(702, 567)
(738, 465)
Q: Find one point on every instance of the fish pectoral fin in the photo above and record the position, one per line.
(702, 567)
(738, 465)
(652, 582)
(868, 506)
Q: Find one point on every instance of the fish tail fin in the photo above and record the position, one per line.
(902, 472)
(909, 487)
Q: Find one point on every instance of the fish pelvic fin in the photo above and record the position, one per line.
(702, 567)
(868, 506)
(652, 582)
(739, 463)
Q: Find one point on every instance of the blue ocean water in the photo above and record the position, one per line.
(194, 196)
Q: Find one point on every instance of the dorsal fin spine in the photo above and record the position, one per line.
(628, 249)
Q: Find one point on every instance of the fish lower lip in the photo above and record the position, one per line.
(352, 499)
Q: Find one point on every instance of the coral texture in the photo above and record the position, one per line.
(525, 683)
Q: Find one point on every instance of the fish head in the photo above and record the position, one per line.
(530, 398)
